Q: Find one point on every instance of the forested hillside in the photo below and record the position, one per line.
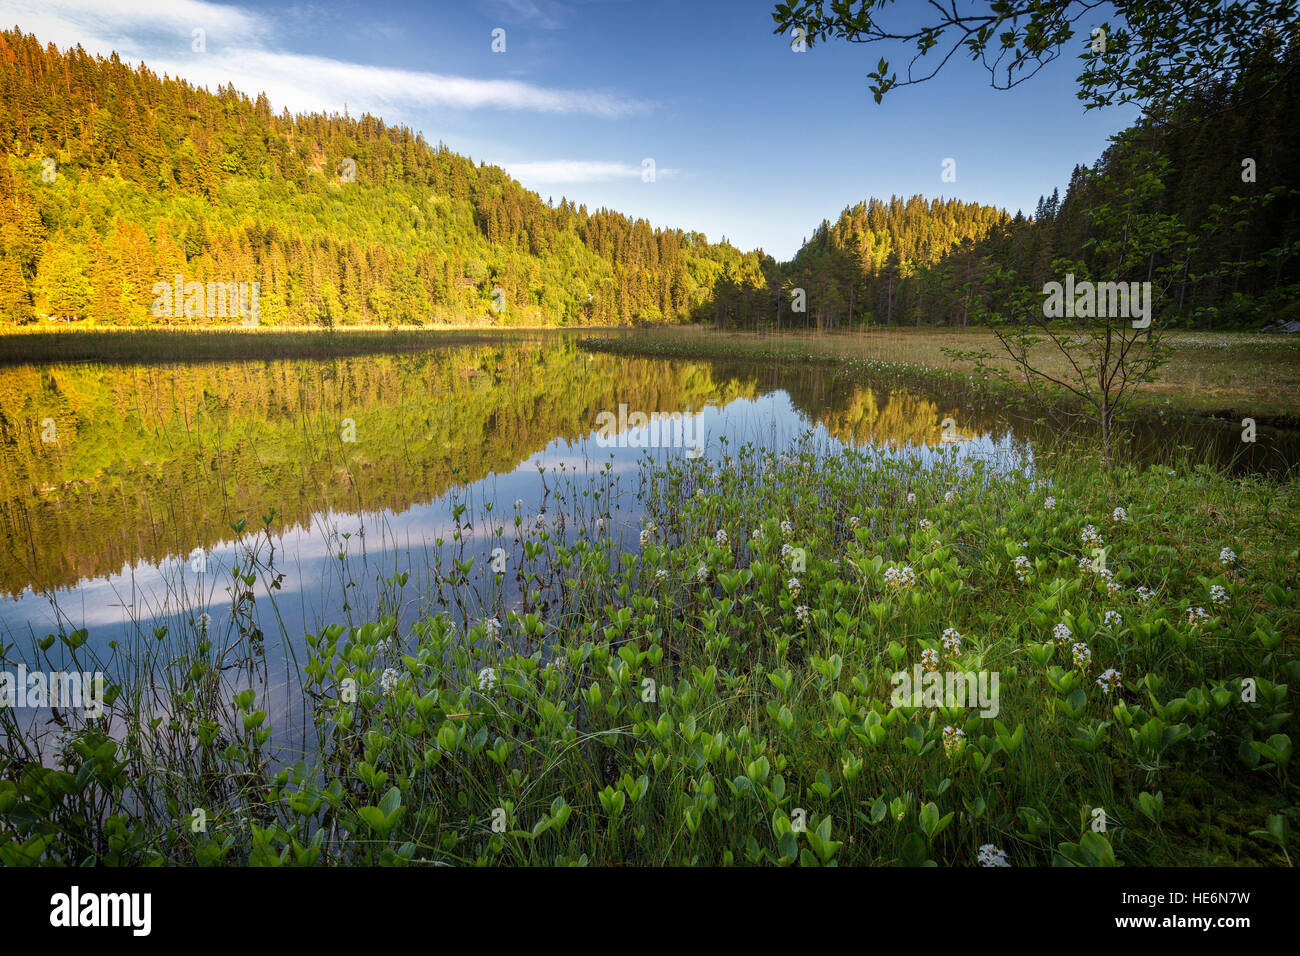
(116, 179)
(1211, 184)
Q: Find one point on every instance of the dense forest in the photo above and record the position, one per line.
(116, 179)
(1212, 178)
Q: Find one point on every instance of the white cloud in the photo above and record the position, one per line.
(577, 171)
(240, 52)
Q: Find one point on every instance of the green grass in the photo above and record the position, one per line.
(1232, 374)
(722, 693)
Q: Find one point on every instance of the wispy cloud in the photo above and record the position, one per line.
(578, 171)
(240, 50)
(543, 13)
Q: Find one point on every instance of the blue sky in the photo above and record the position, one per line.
(750, 140)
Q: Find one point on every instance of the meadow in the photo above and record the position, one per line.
(1229, 374)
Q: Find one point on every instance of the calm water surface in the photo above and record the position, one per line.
(330, 478)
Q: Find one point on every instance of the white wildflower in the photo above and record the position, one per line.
(389, 680)
(1110, 680)
(989, 855)
(952, 640)
(952, 739)
(900, 577)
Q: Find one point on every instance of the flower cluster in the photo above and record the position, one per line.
(1108, 577)
(802, 615)
(1227, 557)
(989, 855)
(389, 680)
(1219, 595)
(901, 577)
(930, 659)
(1062, 633)
(1023, 566)
(952, 640)
(1112, 619)
(794, 587)
(721, 538)
(1119, 514)
(1144, 593)
(1197, 616)
(1089, 535)
(1110, 680)
(1082, 655)
(953, 738)
(926, 524)
(493, 627)
(1049, 503)
(911, 498)
(787, 528)
(854, 521)
(487, 679)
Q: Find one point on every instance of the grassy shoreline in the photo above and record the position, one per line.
(1225, 375)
